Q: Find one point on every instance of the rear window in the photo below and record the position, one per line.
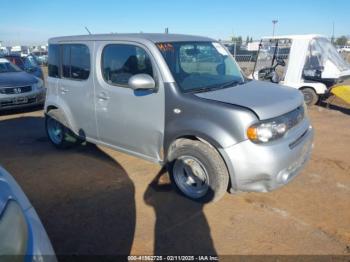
(53, 61)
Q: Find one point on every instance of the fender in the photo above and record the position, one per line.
(222, 126)
(61, 112)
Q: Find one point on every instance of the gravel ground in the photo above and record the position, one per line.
(93, 200)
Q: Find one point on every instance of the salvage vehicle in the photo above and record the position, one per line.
(309, 63)
(22, 235)
(18, 88)
(180, 101)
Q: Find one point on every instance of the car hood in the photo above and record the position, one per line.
(266, 99)
(16, 79)
(9, 189)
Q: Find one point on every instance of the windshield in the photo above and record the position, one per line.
(30, 62)
(7, 67)
(271, 51)
(201, 66)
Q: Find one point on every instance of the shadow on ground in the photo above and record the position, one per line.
(181, 226)
(335, 104)
(85, 199)
(21, 110)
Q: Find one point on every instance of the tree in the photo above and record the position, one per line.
(247, 40)
(343, 40)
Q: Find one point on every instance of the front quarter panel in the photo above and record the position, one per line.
(220, 124)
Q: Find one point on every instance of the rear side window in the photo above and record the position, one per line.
(75, 61)
(53, 61)
(121, 61)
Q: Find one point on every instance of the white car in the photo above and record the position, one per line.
(21, 231)
(344, 49)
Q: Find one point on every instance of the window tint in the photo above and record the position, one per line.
(53, 61)
(120, 62)
(66, 61)
(75, 61)
(198, 66)
(17, 61)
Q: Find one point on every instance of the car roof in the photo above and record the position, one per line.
(155, 38)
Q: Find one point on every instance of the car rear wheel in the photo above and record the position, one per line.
(198, 171)
(310, 96)
(59, 135)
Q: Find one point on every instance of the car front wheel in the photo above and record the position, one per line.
(198, 171)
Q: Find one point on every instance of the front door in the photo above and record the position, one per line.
(131, 121)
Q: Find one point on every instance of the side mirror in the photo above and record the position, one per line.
(141, 82)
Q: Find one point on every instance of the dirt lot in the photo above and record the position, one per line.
(96, 201)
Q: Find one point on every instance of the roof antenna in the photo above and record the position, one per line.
(87, 29)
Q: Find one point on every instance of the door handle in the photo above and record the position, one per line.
(102, 96)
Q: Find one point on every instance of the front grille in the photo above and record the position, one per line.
(295, 117)
(15, 90)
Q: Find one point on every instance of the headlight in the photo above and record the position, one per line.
(38, 84)
(269, 130)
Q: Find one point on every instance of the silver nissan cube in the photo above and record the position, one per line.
(180, 101)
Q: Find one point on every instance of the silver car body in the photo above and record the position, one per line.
(21, 231)
(146, 124)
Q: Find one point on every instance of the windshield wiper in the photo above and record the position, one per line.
(212, 88)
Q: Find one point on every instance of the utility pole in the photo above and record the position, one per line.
(274, 22)
(333, 34)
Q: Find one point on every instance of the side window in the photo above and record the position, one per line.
(75, 61)
(53, 60)
(66, 61)
(314, 57)
(121, 61)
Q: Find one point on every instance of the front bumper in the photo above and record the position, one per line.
(36, 97)
(265, 167)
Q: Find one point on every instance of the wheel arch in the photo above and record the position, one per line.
(210, 142)
(61, 115)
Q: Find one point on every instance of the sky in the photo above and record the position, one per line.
(33, 22)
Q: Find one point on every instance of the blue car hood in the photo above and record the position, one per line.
(267, 100)
(9, 189)
(16, 79)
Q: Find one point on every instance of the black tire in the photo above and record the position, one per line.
(310, 96)
(210, 159)
(67, 139)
